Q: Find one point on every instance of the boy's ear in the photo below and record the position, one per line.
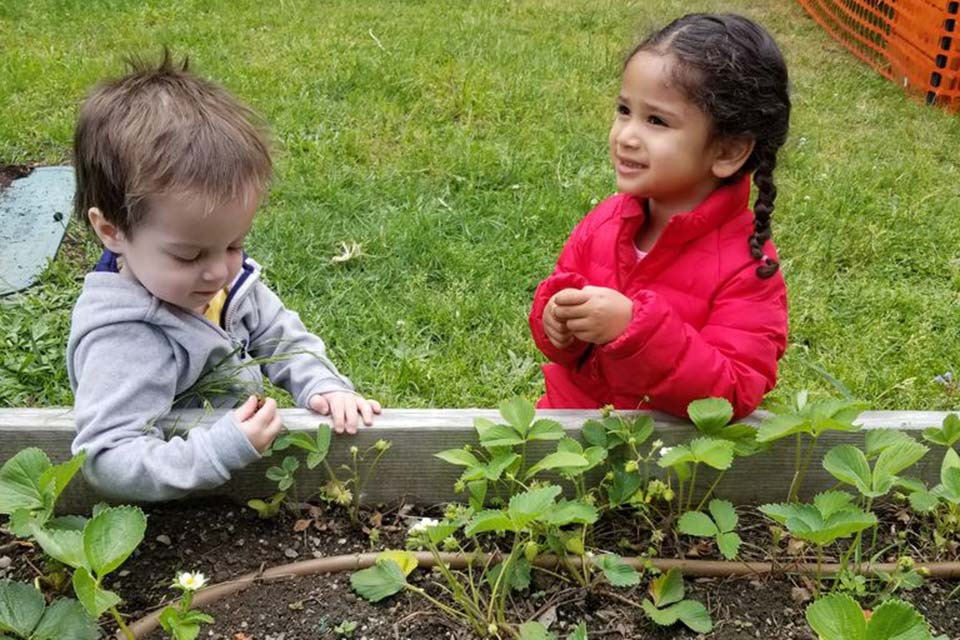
(730, 154)
(109, 234)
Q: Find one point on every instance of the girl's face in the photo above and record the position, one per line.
(660, 143)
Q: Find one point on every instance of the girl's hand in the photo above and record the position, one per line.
(343, 408)
(594, 314)
(557, 332)
(261, 425)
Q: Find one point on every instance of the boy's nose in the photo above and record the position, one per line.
(215, 271)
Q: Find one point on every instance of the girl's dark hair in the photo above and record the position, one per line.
(732, 69)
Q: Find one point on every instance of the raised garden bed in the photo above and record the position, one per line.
(227, 540)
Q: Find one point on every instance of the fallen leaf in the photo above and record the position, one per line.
(301, 525)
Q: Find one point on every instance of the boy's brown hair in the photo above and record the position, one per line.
(161, 129)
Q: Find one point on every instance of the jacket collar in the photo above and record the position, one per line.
(726, 202)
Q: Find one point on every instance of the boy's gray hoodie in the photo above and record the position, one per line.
(131, 358)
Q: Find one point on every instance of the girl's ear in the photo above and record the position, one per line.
(731, 154)
(109, 234)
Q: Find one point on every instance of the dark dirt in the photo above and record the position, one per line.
(11, 172)
(226, 540)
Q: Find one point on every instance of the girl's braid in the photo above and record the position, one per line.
(763, 210)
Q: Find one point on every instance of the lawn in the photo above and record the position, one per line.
(456, 144)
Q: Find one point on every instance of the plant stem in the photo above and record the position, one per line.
(120, 623)
(693, 485)
(710, 490)
(803, 470)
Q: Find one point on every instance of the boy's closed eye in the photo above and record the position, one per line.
(656, 121)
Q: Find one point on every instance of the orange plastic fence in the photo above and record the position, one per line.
(912, 42)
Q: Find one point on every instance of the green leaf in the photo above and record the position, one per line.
(847, 464)
(892, 461)
(879, 439)
(478, 492)
(442, 531)
(546, 430)
(558, 460)
(694, 523)
(531, 505)
(779, 512)
(290, 464)
(640, 429)
(595, 455)
(780, 427)
(406, 560)
(21, 607)
(723, 514)
(831, 502)
(56, 478)
(689, 612)
(519, 413)
(66, 620)
(299, 439)
(94, 599)
(67, 523)
(923, 501)
(379, 581)
(947, 435)
(837, 617)
(314, 459)
(498, 464)
(20, 480)
(667, 588)
(675, 455)
(111, 536)
(63, 545)
(500, 436)
(616, 571)
(489, 520)
(897, 620)
(324, 435)
(595, 433)
(570, 512)
(579, 632)
(519, 578)
(459, 457)
(712, 452)
(625, 484)
(533, 631)
(710, 415)
(729, 544)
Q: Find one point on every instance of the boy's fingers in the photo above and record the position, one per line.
(375, 406)
(336, 413)
(366, 411)
(320, 405)
(568, 313)
(247, 409)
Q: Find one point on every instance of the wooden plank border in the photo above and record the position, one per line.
(409, 470)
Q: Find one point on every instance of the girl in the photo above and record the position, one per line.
(670, 290)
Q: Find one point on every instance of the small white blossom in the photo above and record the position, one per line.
(665, 451)
(191, 581)
(423, 525)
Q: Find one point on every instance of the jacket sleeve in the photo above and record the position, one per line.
(126, 381)
(565, 275)
(297, 359)
(734, 355)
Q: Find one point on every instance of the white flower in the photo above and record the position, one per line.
(191, 581)
(665, 451)
(423, 525)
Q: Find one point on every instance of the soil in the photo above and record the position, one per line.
(11, 172)
(227, 540)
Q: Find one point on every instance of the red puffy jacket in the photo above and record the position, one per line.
(704, 324)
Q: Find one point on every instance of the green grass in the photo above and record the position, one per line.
(458, 143)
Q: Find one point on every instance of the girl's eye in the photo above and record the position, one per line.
(240, 248)
(656, 121)
(623, 109)
(183, 259)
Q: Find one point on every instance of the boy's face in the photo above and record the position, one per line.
(184, 255)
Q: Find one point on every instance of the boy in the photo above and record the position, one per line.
(170, 171)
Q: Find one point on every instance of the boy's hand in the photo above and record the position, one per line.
(261, 425)
(594, 314)
(557, 332)
(343, 407)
